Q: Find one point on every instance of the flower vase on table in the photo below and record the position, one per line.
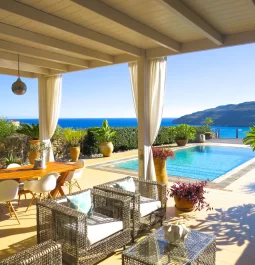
(41, 149)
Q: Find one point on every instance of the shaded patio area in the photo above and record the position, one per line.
(232, 220)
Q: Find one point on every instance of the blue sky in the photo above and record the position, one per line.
(195, 81)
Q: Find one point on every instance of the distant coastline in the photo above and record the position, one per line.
(228, 115)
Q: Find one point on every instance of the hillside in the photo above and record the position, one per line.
(242, 114)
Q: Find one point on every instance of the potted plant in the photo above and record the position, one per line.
(250, 138)
(73, 138)
(41, 149)
(208, 134)
(189, 196)
(182, 133)
(104, 135)
(200, 134)
(32, 131)
(160, 155)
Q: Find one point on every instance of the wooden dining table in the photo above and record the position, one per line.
(28, 172)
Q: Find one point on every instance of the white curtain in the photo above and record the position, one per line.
(156, 76)
(50, 93)
(156, 90)
(133, 72)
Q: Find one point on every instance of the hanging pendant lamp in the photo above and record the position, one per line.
(18, 87)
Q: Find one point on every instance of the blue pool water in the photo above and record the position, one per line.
(201, 162)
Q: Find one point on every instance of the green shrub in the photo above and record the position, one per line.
(74, 137)
(164, 137)
(126, 138)
(90, 145)
(6, 129)
(200, 129)
(59, 144)
(182, 132)
(208, 122)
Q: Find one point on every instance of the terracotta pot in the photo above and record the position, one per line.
(106, 148)
(181, 142)
(75, 153)
(184, 204)
(160, 168)
(33, 154)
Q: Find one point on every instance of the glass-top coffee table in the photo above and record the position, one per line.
(198, 248)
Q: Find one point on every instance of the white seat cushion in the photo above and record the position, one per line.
(148, 206)
(101, 226)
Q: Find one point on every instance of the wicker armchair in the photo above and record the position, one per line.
(80, 234)
(148, 202)
(47, 253)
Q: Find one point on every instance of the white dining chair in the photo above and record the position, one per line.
(13, 165)
(42, 187)
(22, 191)
(8, 191)
(71, 179)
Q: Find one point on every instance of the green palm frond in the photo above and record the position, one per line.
(29, 130)
(104, 133)
(250, 138)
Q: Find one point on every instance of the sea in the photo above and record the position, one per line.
(225, 132)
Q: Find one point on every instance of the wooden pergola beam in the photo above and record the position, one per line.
(33, 61)
(59, 23)
(203, 45)
(188, 15)
(128, 22)
(25, 67)
(38, 53)
(12, 72)
(48, 41)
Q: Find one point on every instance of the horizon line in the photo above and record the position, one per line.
(85, 118)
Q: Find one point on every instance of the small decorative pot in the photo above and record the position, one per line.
(106, 148)
(160, 168)
(200, 138)
(39, 163)
(75, 153)
(184, 204)
(33, 154)
(181, 142)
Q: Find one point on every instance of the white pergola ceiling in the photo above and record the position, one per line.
(59, 36)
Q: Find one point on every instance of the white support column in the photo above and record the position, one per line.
(142, 117)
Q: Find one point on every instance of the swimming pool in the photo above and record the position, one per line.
(201, 162)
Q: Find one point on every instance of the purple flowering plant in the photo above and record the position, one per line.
(194, 192)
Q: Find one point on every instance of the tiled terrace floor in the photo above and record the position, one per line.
(232, 219)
